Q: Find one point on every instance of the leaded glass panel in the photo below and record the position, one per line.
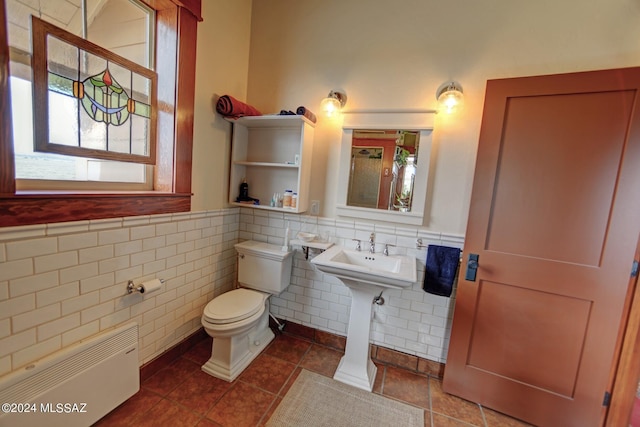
(99, 92)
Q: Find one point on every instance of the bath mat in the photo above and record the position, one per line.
(315, 400)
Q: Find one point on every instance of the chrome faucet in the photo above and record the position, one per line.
(358, 247)
(385, 252)
(372, 244)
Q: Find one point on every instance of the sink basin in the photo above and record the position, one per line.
(393, 271)
(366, 275)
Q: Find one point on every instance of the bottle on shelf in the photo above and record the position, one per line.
(286, 200)
(244, 190)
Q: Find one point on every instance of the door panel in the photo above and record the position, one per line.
(554, 219)
(545, 171)
(555, 335)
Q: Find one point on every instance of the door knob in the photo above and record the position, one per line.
(472, 267)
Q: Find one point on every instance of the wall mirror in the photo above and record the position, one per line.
(384, 163)
(383, 168)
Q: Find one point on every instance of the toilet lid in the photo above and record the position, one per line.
(233, 306)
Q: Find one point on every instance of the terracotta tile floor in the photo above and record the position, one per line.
(182, 395)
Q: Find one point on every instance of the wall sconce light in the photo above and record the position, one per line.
(333, 103)
(450, 97)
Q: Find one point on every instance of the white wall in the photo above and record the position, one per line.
(222, 65)
(393, 55)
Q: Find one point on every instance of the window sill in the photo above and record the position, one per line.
(38, 207)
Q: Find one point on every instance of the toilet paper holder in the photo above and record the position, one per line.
(131, 287)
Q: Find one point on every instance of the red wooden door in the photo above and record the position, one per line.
(554, 219)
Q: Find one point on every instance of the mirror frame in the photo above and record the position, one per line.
(412, 120)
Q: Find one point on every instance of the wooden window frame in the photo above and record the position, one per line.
(176, 34)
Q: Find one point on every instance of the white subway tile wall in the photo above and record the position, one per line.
(61, 283)
(411, 320)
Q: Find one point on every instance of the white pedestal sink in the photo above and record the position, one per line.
(366, 275)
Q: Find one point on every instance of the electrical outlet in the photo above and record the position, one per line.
(315, 207)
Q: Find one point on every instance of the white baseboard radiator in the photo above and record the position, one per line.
(75, 386)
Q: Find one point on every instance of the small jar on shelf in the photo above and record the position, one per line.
(286, 200)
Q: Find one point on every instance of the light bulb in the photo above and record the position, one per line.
(450, 98)
(330, 107)
(333, 103)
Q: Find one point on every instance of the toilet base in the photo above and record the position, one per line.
(231, 355)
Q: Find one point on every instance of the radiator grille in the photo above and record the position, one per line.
(66, 364)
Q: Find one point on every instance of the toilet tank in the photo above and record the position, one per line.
(263, 266)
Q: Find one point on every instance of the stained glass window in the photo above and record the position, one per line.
(89, 101)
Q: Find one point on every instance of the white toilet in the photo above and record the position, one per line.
(238, 320)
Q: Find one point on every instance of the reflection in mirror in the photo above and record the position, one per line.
(400, 135)
(383, 169)
(364, 181)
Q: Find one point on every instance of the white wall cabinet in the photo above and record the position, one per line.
(273, 154)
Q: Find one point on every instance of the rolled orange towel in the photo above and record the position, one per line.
(228, 106)
(302, 111)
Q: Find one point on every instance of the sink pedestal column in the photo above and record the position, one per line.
(356, 367)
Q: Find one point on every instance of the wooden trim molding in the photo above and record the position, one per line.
(175, 58)
(185, 99)
(167, 35)
(42, 209)
(7, 167)
(627, 374)
(192, 6)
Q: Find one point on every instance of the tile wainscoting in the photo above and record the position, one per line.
(411, 321)
(64, 282)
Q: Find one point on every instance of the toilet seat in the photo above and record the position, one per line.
(233, 306)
